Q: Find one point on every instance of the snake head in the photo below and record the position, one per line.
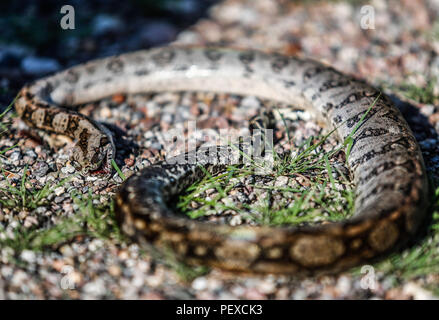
(94, 154)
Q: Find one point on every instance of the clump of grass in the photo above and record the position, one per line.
(6, 123)
(89, 220)
(299, 210)
(426, 94)
(99, 220)
(24, 196)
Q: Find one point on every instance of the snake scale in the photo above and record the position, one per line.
(385, 159)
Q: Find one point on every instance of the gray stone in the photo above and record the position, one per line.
(104, 23)
(157, 32)
(39, 65)
(11, 55)
(185, 7)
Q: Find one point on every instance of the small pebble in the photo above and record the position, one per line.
(28, 256)
(68, 169)
(39, 65)
(199, 283)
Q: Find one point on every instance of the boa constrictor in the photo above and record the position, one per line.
(385, 159)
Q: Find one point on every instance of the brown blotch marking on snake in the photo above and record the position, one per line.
(311, 72)
(48, 118)
(90, 84)
(411, 218)
(163, 57)
(40, 105)
(272, 240)
(327, 107)
(368, 132)
(72, 125)
(288, 83)
(182, 67)
(38, 117)
(356, 244)
(200, 250)
(181, 247)
(408, 165)
(199, 236)
(155, 227)
(403, 142)
(403, 188)
(140, 224)
(247, 59)
(331, 84)
(123, 216)
(319, 250)
(25, 93)
(383, 236)
(275, 267)
(27, 113)
(171, 236)
(72, 76)
(355, 97)
(60, 122)
(336, 120)
(90, 68)
(213, 55)
(119, 200)
(141, 72)
(390, 115)
(316, 96)
(115, 65)
(48, 86)
(273, 253)
(29, 96)
(352, 121)
(234, 250)
(83, 140)
(357, 229)
(351, 98)
(279, 62)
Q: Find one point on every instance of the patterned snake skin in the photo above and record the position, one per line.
(391, 182)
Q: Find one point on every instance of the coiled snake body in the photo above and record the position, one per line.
(388, 169)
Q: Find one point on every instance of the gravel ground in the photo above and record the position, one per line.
(401, 51)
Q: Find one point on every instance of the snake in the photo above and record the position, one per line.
(391, 184)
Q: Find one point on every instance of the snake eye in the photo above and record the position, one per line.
(96, 159)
